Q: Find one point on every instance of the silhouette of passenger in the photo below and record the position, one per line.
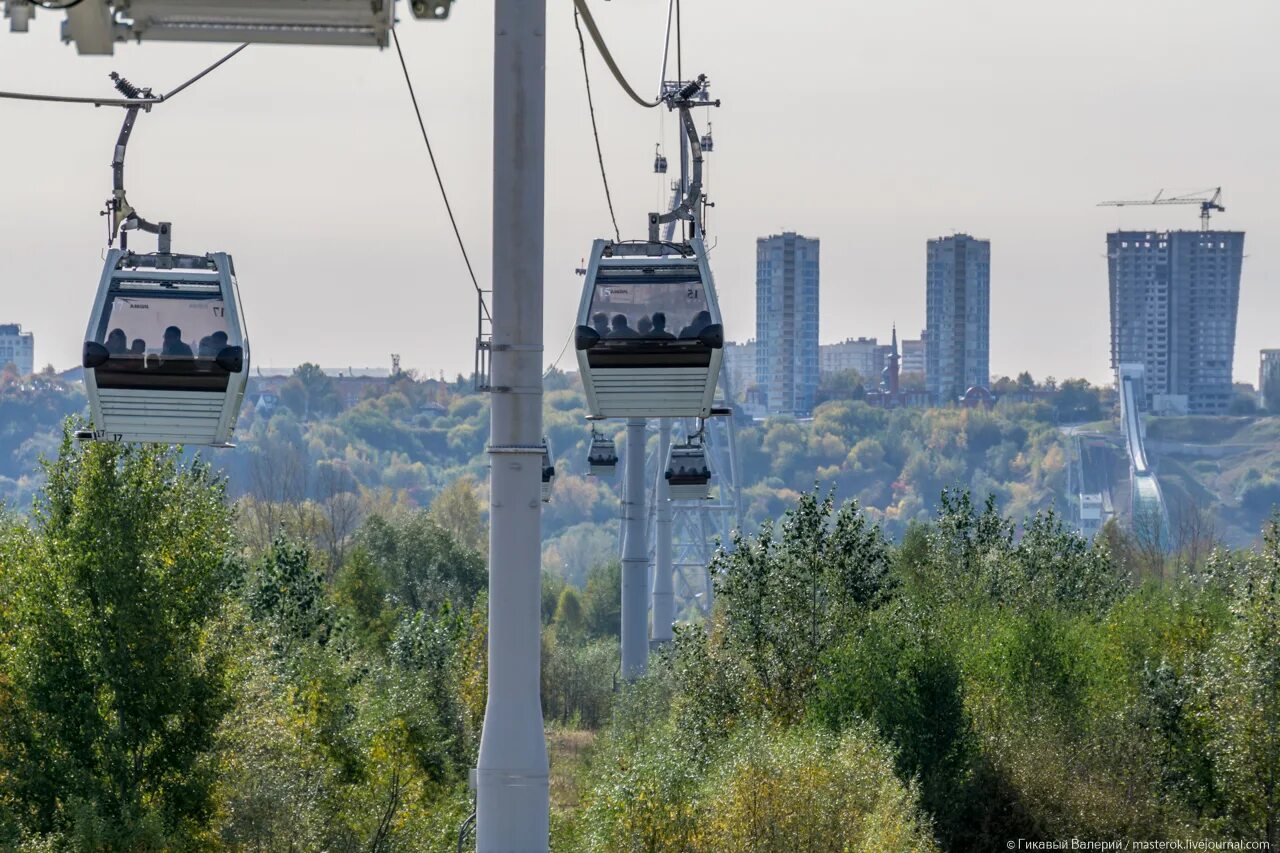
(660, 327)
(644, 326)
(621, 329)
(117, 342)
(138, 347)
(219, 342)
(600, 322)
(206, 350)
(173, 343)
(699, 322)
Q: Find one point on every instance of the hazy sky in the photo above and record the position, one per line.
(873, 126)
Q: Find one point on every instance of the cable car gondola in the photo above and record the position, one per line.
(649, 335)
(166, 358)
(659, 160)
(707, 143)
(602, 456)
(688, 477)
(548, 471)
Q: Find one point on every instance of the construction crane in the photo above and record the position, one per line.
(1207, 205)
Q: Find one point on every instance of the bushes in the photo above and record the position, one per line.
(809, 790)
(900, 674)
(577, 680)
(765, 788)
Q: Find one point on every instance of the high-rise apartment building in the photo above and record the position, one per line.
(958, 316)
(1174, 297)
(787, 321)
(17, 348)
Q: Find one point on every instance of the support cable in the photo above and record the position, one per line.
(684, 233)
(144, 102)
(666, 46)
(595, 131)
(439, 180)
(581, 6)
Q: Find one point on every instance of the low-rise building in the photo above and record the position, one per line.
(913, 356)
(17, 348)
(740, 366)
(865, 355)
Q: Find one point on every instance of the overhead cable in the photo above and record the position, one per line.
(439, 180)
(122, 102)
(581, 6)
(595, 131)
(666, 45)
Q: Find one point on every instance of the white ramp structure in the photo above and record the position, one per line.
(1150, 516)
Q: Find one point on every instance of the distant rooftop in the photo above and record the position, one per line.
(364, 372)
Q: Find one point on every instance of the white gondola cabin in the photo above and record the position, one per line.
(548, 471)
(602, 456)
(688, 475)
(649, 335)
(166, 357)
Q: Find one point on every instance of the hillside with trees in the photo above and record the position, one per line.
(168, 684)
(324, 457)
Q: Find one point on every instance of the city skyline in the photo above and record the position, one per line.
(351, 282)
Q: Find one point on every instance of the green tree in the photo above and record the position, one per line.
(1242, 695)
(570, 623)
(310, 392)
(457, 510)
(423, 564)
(114, 588)
(786, 600)
(287, 593)
(602, 600)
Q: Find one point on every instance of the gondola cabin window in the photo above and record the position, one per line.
(169, 327)
(650, 303)
(165, 336)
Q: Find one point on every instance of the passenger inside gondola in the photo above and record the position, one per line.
(138, 347)
(699, 322)
(649, 304)
(660, 327)
(621, 329)
(173, 343)
(117, 342)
